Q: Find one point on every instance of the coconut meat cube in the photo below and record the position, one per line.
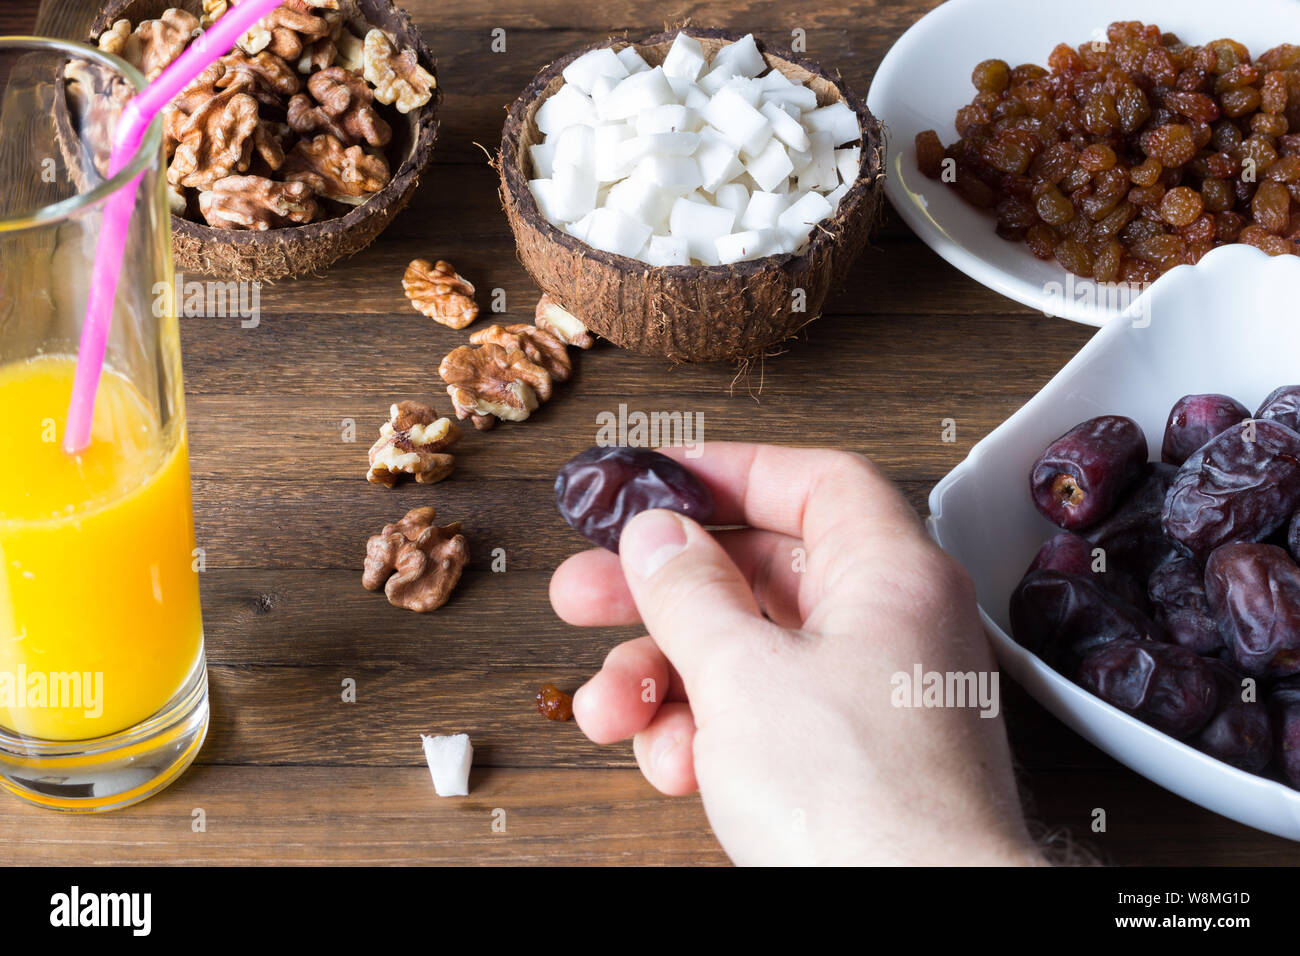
(586, 69)
(449, 759)
(836, 119)
(685, 58)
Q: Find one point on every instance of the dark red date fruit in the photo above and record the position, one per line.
(1239, 733)
(1062, 617)
(1132, 536)
(1284, 709)
(1194, 420)
(1082, 475)
(1163, 685)
(1254, 595)
(1176, 591)
(1282, 405)
(1240, 486)
(600, 490)
(1073, 554)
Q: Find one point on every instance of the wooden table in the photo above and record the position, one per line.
(290, 773)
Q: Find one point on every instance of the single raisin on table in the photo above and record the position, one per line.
(1242, 485)
(1253, 592)
(1131, 535)
(1239, 733)
(1062, 617)
(1194, 420)
(1079, 479)
(1282, 405)
(1176, 590)
(554, 704)
(1163, 685)
(600, 490)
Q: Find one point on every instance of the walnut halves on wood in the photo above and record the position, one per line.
(417, 563)
(412, 442)
(440, 292)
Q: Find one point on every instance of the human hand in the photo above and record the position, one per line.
(784, 722)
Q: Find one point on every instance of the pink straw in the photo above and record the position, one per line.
(127, 137)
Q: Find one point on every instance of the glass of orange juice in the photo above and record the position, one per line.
(103, 685)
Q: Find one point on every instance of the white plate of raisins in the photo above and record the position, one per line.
(1081, 151)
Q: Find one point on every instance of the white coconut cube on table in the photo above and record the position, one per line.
(691, 161)
(449, 759)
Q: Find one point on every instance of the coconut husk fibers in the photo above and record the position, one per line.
(309, 248)
(689, 313)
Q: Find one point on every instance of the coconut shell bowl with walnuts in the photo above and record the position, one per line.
(297, 148)
(695, 312)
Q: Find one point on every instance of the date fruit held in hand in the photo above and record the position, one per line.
(1241, 486)
(1081, 476)
(600, 490)
(1063, 617)
(1254, 594)
(1194, 420)
(1163, 685)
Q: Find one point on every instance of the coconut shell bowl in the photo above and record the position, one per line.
(690, 313)
(341, 230)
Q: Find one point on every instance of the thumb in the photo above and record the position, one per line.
(691, 596)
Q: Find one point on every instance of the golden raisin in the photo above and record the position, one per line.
(929, 153)
(991, 76)
(554, 704)
(1180, 206)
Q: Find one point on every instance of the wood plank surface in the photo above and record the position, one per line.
(291, 774)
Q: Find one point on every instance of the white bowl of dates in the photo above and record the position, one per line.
(296, 149)
(1070, 159)
(697, 195)
(1157, 610)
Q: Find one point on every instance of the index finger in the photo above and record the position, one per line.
(813, 494)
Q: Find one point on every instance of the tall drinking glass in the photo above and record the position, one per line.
(103, 686)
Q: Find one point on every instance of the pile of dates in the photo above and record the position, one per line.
(1173, 590)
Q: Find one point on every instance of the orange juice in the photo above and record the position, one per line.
(99, 599)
